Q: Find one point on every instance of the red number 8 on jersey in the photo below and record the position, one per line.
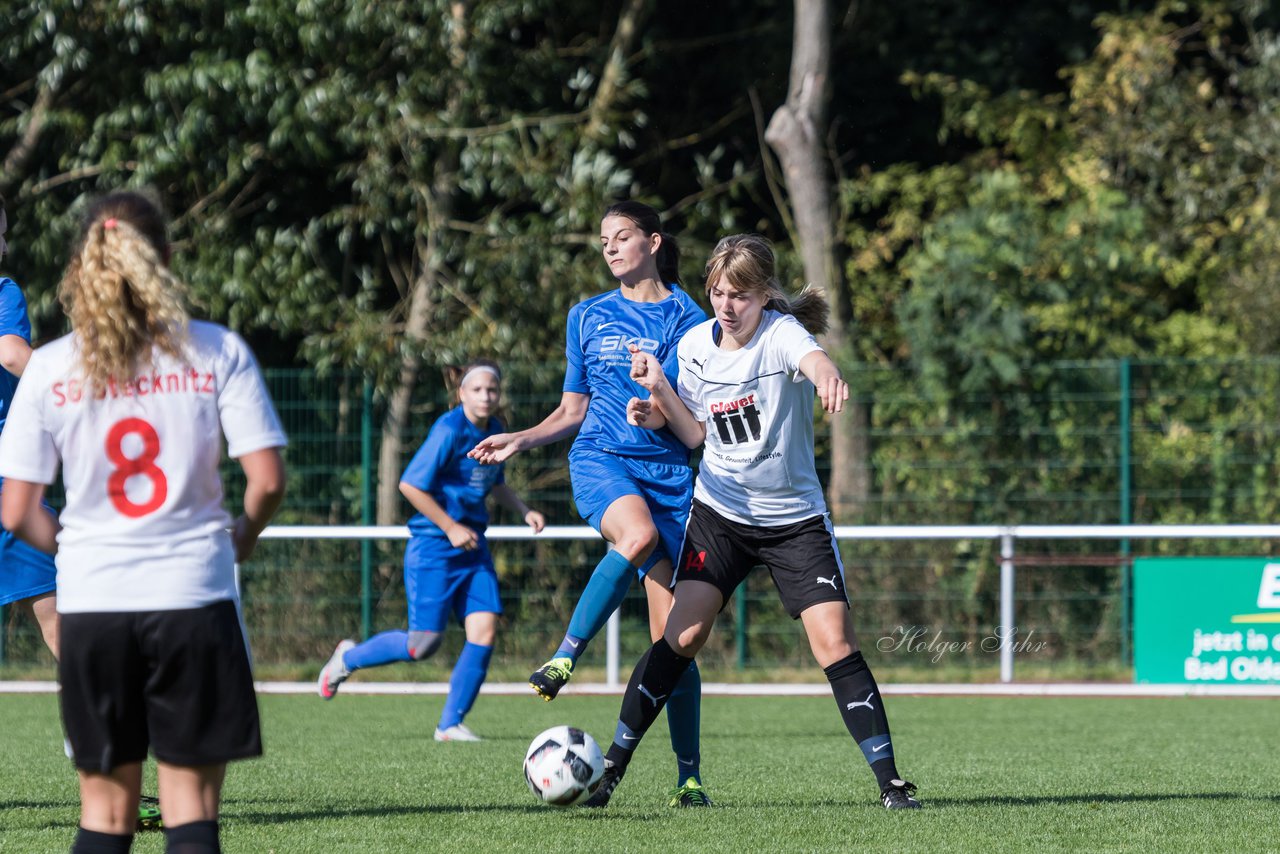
(143, 465)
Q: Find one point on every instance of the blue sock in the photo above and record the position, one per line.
(607, 587)
(571, 647)
(464, 684)
(380, 649)
(684, 716)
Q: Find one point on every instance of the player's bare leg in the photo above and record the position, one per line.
(45, 610)
(830, 632)
(190, 796)
(109, 802)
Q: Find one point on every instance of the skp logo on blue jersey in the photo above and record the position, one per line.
(611, 343)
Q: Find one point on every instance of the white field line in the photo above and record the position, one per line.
(726, 689)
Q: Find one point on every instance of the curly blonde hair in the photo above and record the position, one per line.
(123, 302)
(746, 260)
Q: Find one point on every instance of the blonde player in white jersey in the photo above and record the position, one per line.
(134, 405)
(746, 385)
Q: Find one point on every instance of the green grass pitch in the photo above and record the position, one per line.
(362, 773)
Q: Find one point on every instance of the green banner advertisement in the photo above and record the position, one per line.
(1206, 620)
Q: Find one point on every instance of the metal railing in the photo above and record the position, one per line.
(1007, 536)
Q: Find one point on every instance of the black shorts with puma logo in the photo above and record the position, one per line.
(802, 557)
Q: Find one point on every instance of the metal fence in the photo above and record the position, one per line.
(1109, 442)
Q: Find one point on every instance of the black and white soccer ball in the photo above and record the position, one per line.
(563, 766)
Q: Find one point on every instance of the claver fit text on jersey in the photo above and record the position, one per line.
(601, 331)
(757, 463)
(144, 527)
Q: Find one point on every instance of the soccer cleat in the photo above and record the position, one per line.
(457, 732)
(548, 679)
(335, 672)
(149, 813)
(691, 794)
(612, 777)
(898, 796)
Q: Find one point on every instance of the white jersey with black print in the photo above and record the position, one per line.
(757, 465)
(144, 528)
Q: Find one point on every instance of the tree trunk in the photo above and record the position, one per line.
(395, 428)
(630, 20)
(16, 160)
(439, 209)
(797, 133)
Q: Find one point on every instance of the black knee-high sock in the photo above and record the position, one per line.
(196, 837)
(95, 842)
(652, 682)
(862, 708)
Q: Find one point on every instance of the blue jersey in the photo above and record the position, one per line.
(442, 469)
(13, 321)
(600, 331)
(24, 572)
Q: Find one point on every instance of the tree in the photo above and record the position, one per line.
(1086, 224)
(798, 133)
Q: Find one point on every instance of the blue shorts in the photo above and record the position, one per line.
(436, 586)
(24, 571)
(599, 479)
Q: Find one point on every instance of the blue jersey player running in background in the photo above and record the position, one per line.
(26, 574)
(634, 486)
(447, 565)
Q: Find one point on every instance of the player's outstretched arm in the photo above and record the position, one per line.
(507, 497)
(563, 422)
(825, 376)
(21, 514)
(263, 492)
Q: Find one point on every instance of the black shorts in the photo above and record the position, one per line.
(801, 557)
(177, 681)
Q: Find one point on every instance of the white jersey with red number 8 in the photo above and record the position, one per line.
(144, 528)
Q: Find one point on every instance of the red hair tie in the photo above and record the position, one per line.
(110, 223)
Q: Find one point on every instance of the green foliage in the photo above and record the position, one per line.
(325, 159)
(1011, 280)
(1127, 214)
(1131, 215)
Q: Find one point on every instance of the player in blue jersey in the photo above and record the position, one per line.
(26, 575)
(447, 565)
(634, 486)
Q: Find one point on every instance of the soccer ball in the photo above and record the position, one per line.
(563, 766)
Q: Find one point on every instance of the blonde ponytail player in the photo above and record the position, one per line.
(134, 405)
